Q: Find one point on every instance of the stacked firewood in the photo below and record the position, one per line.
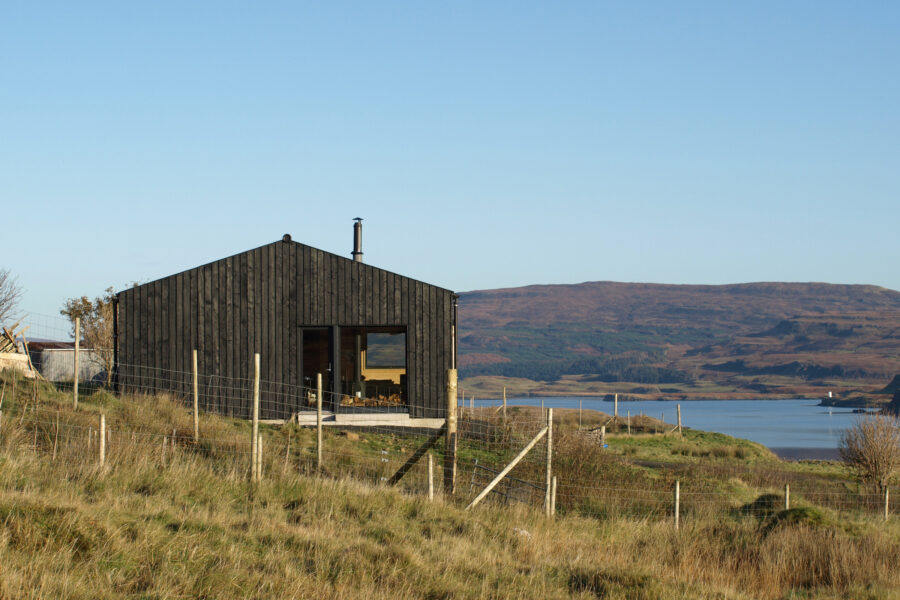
(376, 400)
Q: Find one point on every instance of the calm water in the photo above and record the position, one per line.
(801, 427)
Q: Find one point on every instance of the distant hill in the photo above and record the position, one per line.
(656, 333)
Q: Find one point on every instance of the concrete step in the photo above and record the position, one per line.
(330, 419)
(309, 417)
(372, 418)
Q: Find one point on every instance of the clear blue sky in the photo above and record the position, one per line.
(486, 144)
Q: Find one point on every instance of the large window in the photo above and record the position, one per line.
(385, 350)
(373, 366)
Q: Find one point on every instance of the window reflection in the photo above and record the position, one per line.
(373, 366)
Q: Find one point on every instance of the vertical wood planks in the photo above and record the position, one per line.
(157, 332)
(277, 318)
(255, 302)
(269, 319)
(178, 348)
(243, 334)
(164, 374)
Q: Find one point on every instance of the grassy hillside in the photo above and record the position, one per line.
(159, 521)
(760, 338)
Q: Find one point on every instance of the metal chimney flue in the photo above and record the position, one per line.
(357, 239)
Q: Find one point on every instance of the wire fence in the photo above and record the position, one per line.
(592, 480)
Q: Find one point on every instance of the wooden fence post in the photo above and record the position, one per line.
(548, 483)
(579, 413)
(887, 503)
(679, 419)
(102, 439)
(787, 497)
(318, 421)
(450, 449)
(287, 450)
(196, 398)
(602, 435)
(259, 461)
(677, 502)
(629, 422)
(504, 402)
(77, 345)
(254, 435)
(430, 477)
(616, 406)
(553, 497)
(56, 436)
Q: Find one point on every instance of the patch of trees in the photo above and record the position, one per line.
(644, 374)
(794, 369)
(601, 369)
(96, 317)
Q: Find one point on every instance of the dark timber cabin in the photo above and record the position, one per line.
(382, 342)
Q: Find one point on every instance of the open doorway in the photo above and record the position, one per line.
(317, 356)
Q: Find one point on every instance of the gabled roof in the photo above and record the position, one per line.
(287, 240)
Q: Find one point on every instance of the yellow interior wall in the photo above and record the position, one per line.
(392, 374)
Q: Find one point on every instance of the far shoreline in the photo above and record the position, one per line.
(803, 453)
(624, 398)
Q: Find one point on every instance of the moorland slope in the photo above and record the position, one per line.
(759, 338)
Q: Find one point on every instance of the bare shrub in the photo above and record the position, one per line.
(872, 448)
(10, 293)
(96, 326)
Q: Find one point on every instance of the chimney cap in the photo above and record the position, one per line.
(358, 219)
